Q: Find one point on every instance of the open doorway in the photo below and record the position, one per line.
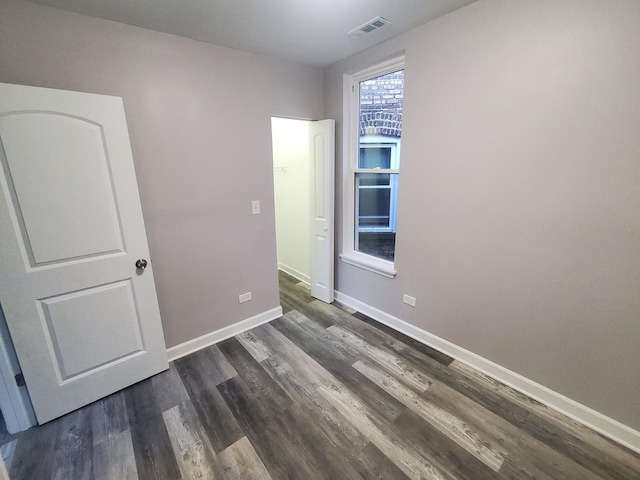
(292, 183)
(303, 163)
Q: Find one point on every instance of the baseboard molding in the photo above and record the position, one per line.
(294, 273)
(208, 339)
(607, 426)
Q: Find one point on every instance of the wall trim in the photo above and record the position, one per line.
(216, 336)
(294, 273)
(597, 421)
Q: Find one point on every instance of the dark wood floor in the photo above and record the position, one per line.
(323, 392)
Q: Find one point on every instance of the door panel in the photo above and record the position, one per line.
(322, 154)
(84, 321)
(104, 317)
(35, 168)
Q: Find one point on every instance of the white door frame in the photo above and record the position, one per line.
(14, 401)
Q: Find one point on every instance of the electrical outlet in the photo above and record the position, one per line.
(245, 297)
(255, 207)
(409, 300)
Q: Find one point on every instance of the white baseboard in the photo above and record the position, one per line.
(607, 426)
(294, 273)
(210, 338)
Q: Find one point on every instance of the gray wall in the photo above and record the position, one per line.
(199, 121)
(519, 202)
(519, 199)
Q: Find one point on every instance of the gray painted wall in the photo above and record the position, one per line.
(519, 202)
(199, 120)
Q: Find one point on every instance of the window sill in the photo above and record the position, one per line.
(372, 264)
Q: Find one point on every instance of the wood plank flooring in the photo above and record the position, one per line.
(321, 393)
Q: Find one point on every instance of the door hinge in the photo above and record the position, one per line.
(20, 380)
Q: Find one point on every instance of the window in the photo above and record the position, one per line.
(377, 192)
(373, 133)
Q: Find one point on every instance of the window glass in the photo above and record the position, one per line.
(375, 156)
(374, 179)
(376, 193)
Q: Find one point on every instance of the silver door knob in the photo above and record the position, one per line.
(141, 264)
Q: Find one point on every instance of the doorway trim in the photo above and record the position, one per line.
(14, 400)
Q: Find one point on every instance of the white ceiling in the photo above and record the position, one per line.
(307, 31)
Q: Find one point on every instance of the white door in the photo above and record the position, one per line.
(84, 320)
(322, 155)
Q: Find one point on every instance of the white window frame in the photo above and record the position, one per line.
(350, 155)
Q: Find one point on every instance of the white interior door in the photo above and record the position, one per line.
(322, 155)
(84, 320)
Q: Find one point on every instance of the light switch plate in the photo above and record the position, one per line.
(255, 207)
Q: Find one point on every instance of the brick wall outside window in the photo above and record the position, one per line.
(381, 101)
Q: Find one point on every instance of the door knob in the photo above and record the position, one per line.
(141, 264)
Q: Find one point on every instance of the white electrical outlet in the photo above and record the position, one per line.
(245, 297)
(255, 207)
(409, 300)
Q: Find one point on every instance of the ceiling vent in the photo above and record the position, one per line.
(368, 27)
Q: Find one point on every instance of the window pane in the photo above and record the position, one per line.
(375, 157)
(380, 116)
(380, 132)
(374, 206)
(373, 179)
(376, 196)
(377, 244)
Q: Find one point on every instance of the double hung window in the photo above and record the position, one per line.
(373, 134)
